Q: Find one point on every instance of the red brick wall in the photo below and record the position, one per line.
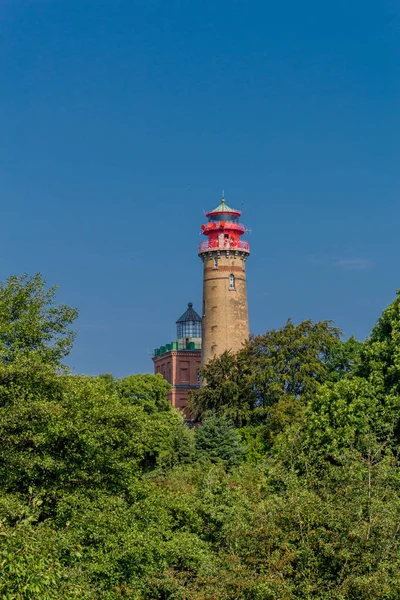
(179, 368)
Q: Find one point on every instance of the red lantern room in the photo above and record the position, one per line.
(223, 230)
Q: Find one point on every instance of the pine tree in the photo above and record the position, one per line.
(219, 441)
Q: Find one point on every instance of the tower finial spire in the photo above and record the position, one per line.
(223, 197)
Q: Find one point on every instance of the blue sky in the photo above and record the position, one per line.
(121, 121)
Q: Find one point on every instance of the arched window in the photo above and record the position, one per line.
(231, 281)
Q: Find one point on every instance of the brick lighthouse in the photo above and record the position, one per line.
(225, 324)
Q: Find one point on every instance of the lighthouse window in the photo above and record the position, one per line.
(231, 281)
(215, 263)
(188, 330)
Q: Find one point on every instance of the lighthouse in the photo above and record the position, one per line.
(179, 361)
(225, 319)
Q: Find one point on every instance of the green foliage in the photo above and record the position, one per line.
(346, 415)
(290, 489)
(275, 372)
(31, 324)
(342, 523)
(283, 536)
(31, 558)
(227, 390)
(148, 391)
(343, 358)
(87, 437)
(219, 441)
(290, 362)
(28, 565)
(268, 384)
(380, 358)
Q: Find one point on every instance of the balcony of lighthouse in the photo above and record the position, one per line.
(188, 345)
(224, 244)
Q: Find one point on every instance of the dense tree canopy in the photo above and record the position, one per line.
(271, 380)
(286, 488)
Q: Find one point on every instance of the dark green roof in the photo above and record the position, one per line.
(223, 208)
(189, 315)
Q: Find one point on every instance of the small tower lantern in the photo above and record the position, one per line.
(225, 311)
(188, 326)
(179, 361)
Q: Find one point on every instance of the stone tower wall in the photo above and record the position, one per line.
(225, 312)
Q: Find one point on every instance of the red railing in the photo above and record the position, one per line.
(224, 245)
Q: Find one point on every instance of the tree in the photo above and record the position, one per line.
(380, 356)
(343, 358)
(290, 362)
(272, 378)
(85, 437)
(105, 493)
(219, 441)
(227, 391)
(32, 326)
(89, 456)
(347, 416)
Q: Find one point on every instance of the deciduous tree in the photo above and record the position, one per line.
(32, 325)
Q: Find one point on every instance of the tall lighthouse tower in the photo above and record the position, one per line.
(225, 312)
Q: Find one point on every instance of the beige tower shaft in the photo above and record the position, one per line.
(225, 312)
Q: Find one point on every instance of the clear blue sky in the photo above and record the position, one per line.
(122, 120)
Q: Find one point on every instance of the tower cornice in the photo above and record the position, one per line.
(212, 253)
